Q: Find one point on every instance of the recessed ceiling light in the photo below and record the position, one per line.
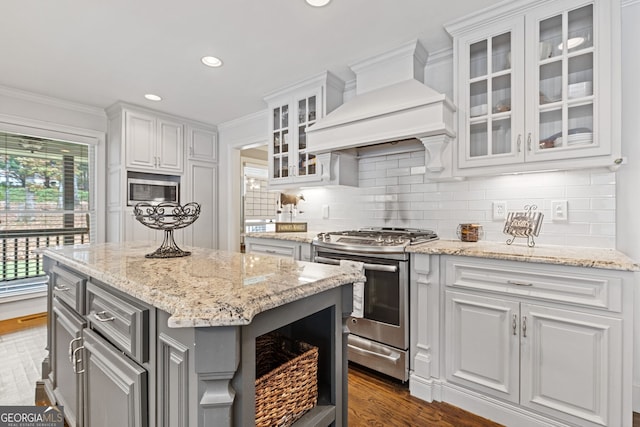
(152, 97)
(211, 61)
(572, 42)
(318, 3)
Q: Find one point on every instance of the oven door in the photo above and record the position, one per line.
(385, 300)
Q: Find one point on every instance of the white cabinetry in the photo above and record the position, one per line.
(202, 187)
(297, 250)
(537, 86)
(549, 339)
(202, 144)
(153, 143)
(143, 140)
(292, 110)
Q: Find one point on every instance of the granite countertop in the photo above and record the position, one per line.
(292, 237)
(208, 288)
(561, 255)
(546, 254)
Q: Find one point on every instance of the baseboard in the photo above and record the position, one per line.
(636, 398)
(494, 410)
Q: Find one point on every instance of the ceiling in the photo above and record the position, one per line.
(97, 53)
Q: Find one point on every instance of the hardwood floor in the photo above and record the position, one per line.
(377, 401)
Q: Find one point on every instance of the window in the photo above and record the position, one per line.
(45, 197)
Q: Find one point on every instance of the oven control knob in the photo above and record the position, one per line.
(379, 238)
(389, 240)
(327, 237)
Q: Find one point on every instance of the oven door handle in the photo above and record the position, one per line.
(367, 266)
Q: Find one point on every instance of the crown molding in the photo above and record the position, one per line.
(51, 101)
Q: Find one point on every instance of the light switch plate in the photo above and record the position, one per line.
(325, 211)
(559, 211)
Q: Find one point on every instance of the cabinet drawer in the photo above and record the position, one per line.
(125, 323)
(274, 250)
(574, 285)
(68, 287)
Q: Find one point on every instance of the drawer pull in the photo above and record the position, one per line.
(71, 348)
(512, 282)
(61, 288)
(100, 318)
(270, 251)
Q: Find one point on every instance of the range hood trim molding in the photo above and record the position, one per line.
(381, 102)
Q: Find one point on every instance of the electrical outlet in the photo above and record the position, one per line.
(499, 211)
(559, 211)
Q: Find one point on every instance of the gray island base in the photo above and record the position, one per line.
(140, 342)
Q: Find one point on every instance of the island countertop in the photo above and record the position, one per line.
(210, 287)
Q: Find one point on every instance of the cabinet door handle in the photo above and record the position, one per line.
(514, 324)
(524, 326)
(71, 348)
(529, 141)
(100, 317)
(61, 288)
(512, 282)
(75, 361)
(519, 143)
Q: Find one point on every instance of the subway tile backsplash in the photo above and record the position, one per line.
(391, 195)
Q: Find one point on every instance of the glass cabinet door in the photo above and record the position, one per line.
(565, 72)
(490, 85)
(307, 113)
(280, 142)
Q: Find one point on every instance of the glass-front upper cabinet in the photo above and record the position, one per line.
(280, 153)
(292, 111)
(490, 97)
(307, 110)
(565, 80)
(535, 87)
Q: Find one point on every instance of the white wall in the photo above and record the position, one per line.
(245, 132)
(628, 206)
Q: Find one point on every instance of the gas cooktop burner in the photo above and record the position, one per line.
(387, 239)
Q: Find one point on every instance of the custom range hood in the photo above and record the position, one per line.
(391, 104)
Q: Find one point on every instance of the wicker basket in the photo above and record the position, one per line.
(286, 380)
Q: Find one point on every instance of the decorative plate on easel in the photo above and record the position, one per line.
(524, 224)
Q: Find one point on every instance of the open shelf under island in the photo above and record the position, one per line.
(139, 342)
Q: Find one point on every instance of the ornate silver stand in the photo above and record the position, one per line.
(167, 217)
(524, 224)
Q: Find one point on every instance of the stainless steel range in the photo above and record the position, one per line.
(380, 338)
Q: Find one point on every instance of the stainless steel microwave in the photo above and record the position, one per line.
(154, 190)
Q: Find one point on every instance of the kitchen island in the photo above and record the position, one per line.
(136, 341)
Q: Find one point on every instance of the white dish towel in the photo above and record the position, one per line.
(358, 287)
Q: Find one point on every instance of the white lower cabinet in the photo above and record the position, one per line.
(291, 249)
(523, 343)
(563, 363)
